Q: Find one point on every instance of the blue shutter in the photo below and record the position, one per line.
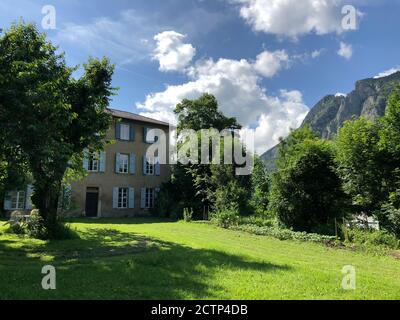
(86, 160)
(132, 163)
(7, 201)
(28, 201)
(145, 134)
(144, 165)
(158, 167)
(115, 197)
(131, 198)
(143, 198)
(102, 161)
(131, 132)
(118, 131)
(117, 162)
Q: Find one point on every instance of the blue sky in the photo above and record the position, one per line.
(267, 61)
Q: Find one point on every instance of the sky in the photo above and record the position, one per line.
(267, 61)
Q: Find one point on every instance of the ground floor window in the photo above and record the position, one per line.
(18, 200)
(149, 198)
(123, 198)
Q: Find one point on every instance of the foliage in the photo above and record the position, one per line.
(360, 164)
(64, 116)
(260, 183)
(187, 214)
(286, 234)
(373, 241)
(226, 218)
(306, 191)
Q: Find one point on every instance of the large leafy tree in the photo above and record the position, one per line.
(306, 193)
(360, 164)
(46, 115)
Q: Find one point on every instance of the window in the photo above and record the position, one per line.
(123, 163)
(149, 198)
(123, 198)
(93, 164)
(18, 200)
(124, 134)
(149, 167)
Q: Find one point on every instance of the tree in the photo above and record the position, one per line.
(306, 193)
(360, 164)
(46, 114)
(260, 182)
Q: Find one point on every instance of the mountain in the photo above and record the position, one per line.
(368, 99)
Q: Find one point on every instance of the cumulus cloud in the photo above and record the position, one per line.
(171, 52)
(236, 85)
(269, 64)
(345, 50)
(387, 73)
(292, 18)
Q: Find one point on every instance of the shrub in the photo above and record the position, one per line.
(368, 239)
(188, 214)
(392, 216)
(259, 221)
(286, 234)
(226, 218)
(34, 225)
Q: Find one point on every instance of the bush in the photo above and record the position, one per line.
(392, 217)
(188, 214)
(368, 239)
(286, 234)
(259, 221)
(226, 218)
(33, 227)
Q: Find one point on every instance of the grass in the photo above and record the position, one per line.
(156, 259)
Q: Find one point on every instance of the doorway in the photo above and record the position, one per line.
(92, 202)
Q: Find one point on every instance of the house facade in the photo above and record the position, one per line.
(121, 181)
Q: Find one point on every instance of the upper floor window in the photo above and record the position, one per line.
(149, 167)
(123, 163)
(124, 132)
(94, 163)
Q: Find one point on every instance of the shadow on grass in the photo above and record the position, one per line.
(125, 221)
(108, 264)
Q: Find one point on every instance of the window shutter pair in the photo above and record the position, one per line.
(131, 131)
(131, 198)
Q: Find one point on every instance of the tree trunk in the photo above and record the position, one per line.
(46, 198)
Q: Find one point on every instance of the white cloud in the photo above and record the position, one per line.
(292, 18)
(340, 94)
(317, 53)
(236, 85)
(387, 73)
(345, 51)
(171, 52)
(268, 64)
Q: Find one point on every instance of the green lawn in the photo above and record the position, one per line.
(150, 259)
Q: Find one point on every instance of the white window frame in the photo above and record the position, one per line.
(149, 198)
(123, 163)
(18, 200)
(123, 198)
(124, 133)
(150, 169)
(94, 163)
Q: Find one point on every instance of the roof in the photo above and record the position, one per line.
(136, 117)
